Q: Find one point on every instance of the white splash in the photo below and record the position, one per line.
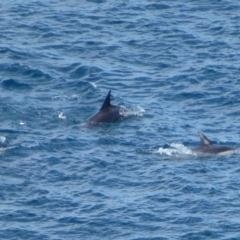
(61, 115)
(137, 111)
(175, 149)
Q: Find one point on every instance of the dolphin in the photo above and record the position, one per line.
(207, 147)
(108, 112)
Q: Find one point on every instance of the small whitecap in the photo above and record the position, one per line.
(74, 96)
(93, 84)
(3, 144)
(61, 115)
(22, 122)
(2, 139)
(57, 97)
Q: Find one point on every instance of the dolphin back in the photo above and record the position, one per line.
(207, 147)
(108, 113)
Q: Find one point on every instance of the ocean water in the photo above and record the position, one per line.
(174, 65)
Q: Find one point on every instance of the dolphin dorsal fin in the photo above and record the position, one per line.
(204, 139)
(106, 102)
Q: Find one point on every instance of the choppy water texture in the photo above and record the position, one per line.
(173, 64)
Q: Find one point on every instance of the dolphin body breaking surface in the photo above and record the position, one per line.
(108, 112)
(207, 147)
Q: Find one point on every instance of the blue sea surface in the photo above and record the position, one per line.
(174, 66)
